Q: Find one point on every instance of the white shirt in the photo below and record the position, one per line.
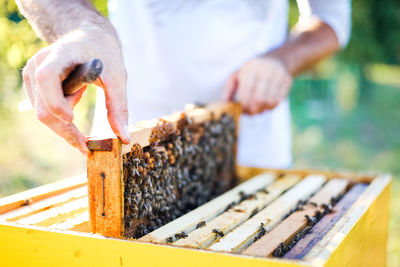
(182, 51)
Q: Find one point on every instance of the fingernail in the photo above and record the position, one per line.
(127, 134)
(84, 149)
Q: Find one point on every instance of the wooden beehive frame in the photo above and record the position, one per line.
(105, 162)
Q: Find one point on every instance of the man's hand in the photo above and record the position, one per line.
(260, 84)
(75, 39)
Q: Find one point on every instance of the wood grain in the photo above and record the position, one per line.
(30, 196)
(228, 220)
(105, 187)
(369, 214)
(325, 224)
(79, 222)
(242, 236)
(56, 214)
(45, 204)
(291, 226)
(209, 210)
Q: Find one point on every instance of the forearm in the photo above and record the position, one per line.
(307, 45)
(53, 19)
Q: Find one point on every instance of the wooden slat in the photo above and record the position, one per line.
(56, 214)
(73, 223)
(105, 188)
(228, 220)
(44, 204)
(242, 236)
(325, 224)
(25, 198)
(375, 243)
(209, 210)
(245, 173)
(291, 226)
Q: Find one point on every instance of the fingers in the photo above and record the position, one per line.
(262, 84)
(230, 87)
(246, 86)
(48, 83)
(117, 108)
(68, 131)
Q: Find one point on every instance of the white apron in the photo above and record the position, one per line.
(178, 52)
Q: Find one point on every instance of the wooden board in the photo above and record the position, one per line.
(245, 173)
(105, 191)
(140, 133)
(345, 245)
(242, 236)
(291, 226)
(364, 227)
(79, 222)
(38, 247)
(56, 214)
(30, 196)
(204, 236)
(206, 212)
(44, 204)
(325, 224)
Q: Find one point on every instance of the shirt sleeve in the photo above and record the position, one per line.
(335, 13)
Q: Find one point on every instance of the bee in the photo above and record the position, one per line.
(181, 235)
(313, 204)
(218, 232)
(201, 224)
(254, 212)
(280, 250)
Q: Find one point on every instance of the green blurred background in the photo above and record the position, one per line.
(346, 111)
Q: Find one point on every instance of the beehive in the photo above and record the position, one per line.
(265, 219)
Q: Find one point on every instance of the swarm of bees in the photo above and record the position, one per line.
(183, 168)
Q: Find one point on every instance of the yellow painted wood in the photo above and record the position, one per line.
(359, 238)
(33, 247)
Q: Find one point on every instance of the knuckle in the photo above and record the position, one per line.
(43, 116)
(42, 73)
(55, 108)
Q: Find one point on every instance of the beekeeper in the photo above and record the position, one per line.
(160, 55)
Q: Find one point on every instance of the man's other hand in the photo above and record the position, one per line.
(260, 84)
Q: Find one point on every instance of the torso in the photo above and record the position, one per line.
(178, 52)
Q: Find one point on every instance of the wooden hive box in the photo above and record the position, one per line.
(49, 225)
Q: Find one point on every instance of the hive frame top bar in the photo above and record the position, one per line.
(140, 133)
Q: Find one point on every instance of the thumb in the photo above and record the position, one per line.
(230, 87)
